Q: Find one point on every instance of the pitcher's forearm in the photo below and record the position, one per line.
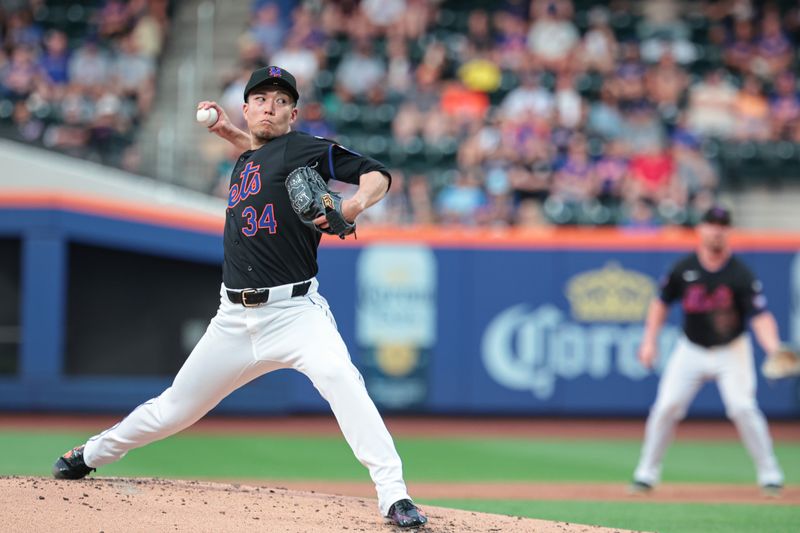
(372, 187)
(239, 138)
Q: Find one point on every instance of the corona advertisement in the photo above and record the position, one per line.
(396, 322)
(532, 348)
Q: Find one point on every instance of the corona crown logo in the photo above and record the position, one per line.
(397, 360)
(610, 294)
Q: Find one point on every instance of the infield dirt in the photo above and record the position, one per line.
(111, 505)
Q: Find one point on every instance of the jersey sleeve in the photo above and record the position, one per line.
(750, 295)
(342, 164)
(671, 285)
(303, 149)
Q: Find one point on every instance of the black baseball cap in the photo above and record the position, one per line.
(272, 76)
(717, 215)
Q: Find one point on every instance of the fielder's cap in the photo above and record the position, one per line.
(272, 76)
(717, 215)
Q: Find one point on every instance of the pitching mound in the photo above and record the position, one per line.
(141, 504)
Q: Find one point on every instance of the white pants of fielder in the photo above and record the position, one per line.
(731, 366)
(243, 343)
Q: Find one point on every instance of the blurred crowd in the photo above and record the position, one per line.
(514, 112)
(80, 77)
(553, 112)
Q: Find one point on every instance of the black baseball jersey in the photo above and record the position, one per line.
(715, 305)
(265, 242)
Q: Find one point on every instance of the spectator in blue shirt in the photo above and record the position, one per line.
(54, 61)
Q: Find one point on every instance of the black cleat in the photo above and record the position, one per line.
(639, 488)
(772, 490)
(71, 465)
(405, 514)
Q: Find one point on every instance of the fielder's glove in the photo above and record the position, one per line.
(311, 199)
(782, 363)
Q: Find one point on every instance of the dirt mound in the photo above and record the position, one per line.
(143, 504)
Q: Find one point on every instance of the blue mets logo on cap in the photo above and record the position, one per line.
(275, 72)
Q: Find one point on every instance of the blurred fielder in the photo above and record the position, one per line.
(718, 295)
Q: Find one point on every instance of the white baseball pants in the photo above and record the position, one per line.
(732, 367)
(243, 343)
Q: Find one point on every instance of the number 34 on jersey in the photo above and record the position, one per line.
(250, 184)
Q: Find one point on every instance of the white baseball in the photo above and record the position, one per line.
(207, 116)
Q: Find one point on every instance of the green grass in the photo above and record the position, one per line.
(286, 457)
(661, 517)
(192, 455)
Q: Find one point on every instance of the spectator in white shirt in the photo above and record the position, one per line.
(90, 65)
(553, 37)
(528, 98)
(711, 106)
(360, 71)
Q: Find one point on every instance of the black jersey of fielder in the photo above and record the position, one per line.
(265, 242)
(717, 304)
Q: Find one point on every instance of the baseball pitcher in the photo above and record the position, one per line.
(271, 314)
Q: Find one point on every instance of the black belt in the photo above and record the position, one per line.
(255, 297)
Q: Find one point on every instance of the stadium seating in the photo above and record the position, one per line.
(628, 74)
(79, 77)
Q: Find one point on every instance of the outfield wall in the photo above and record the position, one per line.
(110, 296)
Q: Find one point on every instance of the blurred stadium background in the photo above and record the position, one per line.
(492, 113)
(549, 159)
